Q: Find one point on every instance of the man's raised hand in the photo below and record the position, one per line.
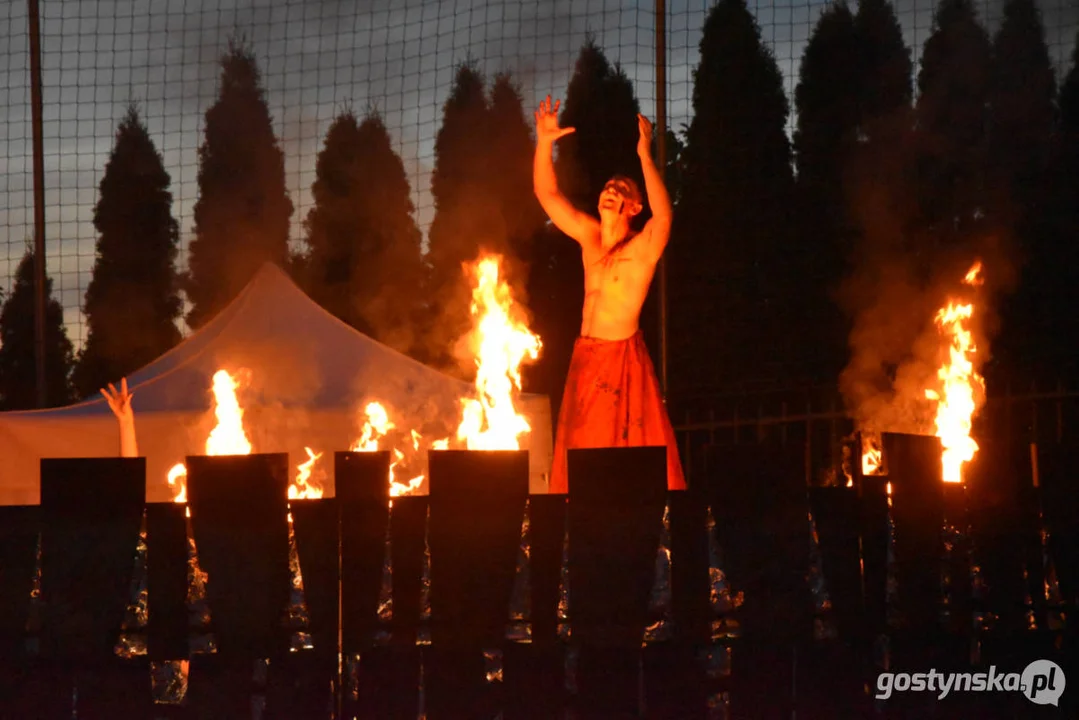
(644, 142)
(119, 400)
(547, 122)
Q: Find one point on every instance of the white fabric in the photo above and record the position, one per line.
(309, 375)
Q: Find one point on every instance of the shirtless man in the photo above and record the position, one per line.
(612, 397)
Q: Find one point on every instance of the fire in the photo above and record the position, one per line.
(500, 344)
(227, 437)
(376, 427)
(960, 384)
(177, 479)
(872, 454)
(302, 487)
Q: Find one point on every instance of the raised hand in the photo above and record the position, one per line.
(119, 400)
(547, 129)
(644, 142)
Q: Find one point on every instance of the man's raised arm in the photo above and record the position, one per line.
(120, 403)
(658, 229)
(566, 218)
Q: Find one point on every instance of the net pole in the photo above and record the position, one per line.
(39, 200)
(661, 161)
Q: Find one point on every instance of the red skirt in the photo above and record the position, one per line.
(612, 399)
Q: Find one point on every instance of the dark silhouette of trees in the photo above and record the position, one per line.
(879, 188)
(364, 262)
(828, 104)
(884, 67)
(242, 214)
(1023, 113)
(951, 137)
(601, 105)
(511, 147)
(131, 303)
(730, 250)
(18, 369)
(466, 214)
(1023, 117)
(481, 185)
(1053, 270)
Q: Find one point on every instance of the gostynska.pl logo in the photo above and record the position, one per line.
(1041, 682)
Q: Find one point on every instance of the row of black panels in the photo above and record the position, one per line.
(90, 514)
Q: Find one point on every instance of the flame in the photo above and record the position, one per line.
(301, 487)
(227, 437)
(375, 429)
(489, 421)
(178, 479)
(872, 455)
(960, 385)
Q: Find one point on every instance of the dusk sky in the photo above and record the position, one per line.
(318, 58)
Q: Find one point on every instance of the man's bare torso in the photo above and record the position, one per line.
(616, 283)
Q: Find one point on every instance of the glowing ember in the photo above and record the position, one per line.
(960, 385)
(500, 344)
(302, 487)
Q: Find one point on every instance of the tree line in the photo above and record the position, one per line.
(779, 242)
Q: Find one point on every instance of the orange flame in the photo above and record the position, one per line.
(178, 480)
(227, 437)
(375, 429)
(302, 487)
(872, 454)
(960, 385)
(500, 344)
(489, 421)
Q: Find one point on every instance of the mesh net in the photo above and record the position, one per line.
(317, 59)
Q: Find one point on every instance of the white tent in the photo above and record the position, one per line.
(306, 377)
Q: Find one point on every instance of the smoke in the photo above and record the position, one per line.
(482, 231)
(901, 276)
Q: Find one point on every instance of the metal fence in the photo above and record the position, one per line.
(1015, 417)
(317, 58)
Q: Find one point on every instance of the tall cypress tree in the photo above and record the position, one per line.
(1023, 113)
(879, 183)
(242, 214)
(131, 303)
(510, 150)
(825, 140)
(364, 262)
(18, 368)
(953, 85)
(482, 186)
(1021, 133)
(884, 66)
(467, 216)
(732, 222)
(1057, 253)
(600, 103)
